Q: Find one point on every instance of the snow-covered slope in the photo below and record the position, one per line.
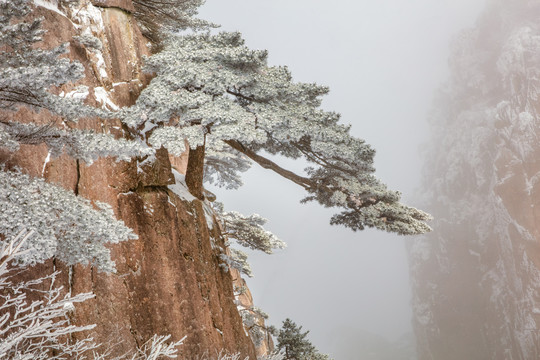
(476, 277)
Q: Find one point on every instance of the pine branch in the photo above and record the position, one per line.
(269, 164)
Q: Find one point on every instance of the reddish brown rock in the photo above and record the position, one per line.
(126, 5)
(168, 281)
(245, 298)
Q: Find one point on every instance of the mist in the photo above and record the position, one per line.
(383, 61)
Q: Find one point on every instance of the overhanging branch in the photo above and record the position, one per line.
(269, 164)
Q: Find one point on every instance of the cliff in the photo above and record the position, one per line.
(168, 281)
(476, 277)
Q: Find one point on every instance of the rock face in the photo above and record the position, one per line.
(245, 303)
(476, 277)
(169, 280)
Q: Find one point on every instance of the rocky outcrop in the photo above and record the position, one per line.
(168, 281)
(476, 277)
(245, 303)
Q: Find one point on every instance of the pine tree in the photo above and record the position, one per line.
(248, 231)
(228, 103)
(293, 343)
(210, 90)
(67, 226)
(158, 17)
(41, 329)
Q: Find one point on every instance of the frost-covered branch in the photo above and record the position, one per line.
(86, 145)
(236, 259)
(266, 163)
(158, 347)
(41, 329)
(220, 91)
(66, 226)
(253, 320)
(248, 231)
(371, 206)
(293, 344)
(223, 165)
(157, 18)
(37, 329)
(27, 72)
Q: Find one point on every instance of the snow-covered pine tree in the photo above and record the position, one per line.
(247, 231)
(158, 17)
(66, 226)
(41, 329)
(35, 329)
(227, 102)
(253, 319)
(27, 72)
(292, 342)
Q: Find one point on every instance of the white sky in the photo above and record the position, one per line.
(382, 59)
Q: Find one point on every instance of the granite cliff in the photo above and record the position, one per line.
(168, 281)
(476, 277)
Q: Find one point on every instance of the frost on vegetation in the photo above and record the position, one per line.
(248, 231)
(224, 95)
(89, 41)
(34, 330)
(222, 166)
(253, 321)
(27, 72)
(41, 329)
(273, 356)
(235, 259)
(173, 138)
(159, 17)
(158, 348)
(293, 343)
(86, 145)
(66, 226)
(223, 355)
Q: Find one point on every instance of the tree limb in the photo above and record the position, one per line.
(306, 183)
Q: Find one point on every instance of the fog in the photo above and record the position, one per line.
(383, 61)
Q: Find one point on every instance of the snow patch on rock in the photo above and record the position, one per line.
(102, 96)
(180, 187)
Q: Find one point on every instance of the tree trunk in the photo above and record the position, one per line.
(195, 172)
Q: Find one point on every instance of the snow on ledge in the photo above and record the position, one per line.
(81, 93)
(50, 5)
(180, 187)
(208, 214)
(102, 96)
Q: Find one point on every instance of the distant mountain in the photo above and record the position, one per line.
(476, 277)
